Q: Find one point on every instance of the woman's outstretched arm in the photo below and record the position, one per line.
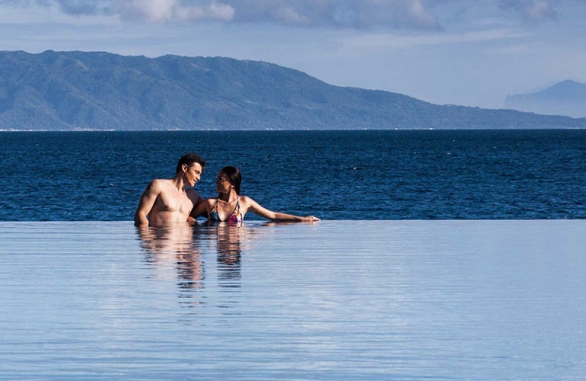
(256, 208)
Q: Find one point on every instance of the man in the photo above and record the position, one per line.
(167, 201)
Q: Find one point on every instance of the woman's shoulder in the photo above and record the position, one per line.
(210, 200)
(247, 202)
(245, 199)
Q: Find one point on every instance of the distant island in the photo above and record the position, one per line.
(69, 91)
(564, 98)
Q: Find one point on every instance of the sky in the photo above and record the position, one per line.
(461, 52)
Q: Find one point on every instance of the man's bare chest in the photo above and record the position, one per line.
(174, 201)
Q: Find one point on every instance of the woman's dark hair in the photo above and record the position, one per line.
(234, 177)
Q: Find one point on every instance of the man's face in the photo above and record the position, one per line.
(192, 173)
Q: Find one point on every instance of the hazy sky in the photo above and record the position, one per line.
(471, 53)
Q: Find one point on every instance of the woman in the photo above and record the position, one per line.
(231, 207)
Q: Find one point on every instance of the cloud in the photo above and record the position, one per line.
(341, 14)
(173, 10)
(532, 11)
(392, 41)
(358, 14)
(71, 7)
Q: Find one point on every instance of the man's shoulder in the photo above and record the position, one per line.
(160, 186)
(157, 184)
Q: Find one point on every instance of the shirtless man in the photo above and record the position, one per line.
(167, 201)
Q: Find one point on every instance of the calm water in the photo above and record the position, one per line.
(341, 175)
(337, 300)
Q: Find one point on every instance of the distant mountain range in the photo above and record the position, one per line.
(104, 91)
(564, 98)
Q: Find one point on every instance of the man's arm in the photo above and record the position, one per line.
(146, 203)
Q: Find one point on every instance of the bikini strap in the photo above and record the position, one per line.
(215, 208)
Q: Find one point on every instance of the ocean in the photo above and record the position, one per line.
(335, 175)
(422, 293)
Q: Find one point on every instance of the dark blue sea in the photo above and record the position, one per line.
(335, 175)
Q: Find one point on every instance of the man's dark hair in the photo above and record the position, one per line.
(189, 159)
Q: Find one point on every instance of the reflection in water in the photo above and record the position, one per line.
(177, 253)
(172, 247)
(229, 250)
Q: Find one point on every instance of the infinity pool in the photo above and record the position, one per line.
(336, 300)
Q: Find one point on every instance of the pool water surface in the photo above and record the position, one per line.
(334, 300)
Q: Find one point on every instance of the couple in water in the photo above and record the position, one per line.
(168, 201)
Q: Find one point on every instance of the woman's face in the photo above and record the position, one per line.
(222, 183)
